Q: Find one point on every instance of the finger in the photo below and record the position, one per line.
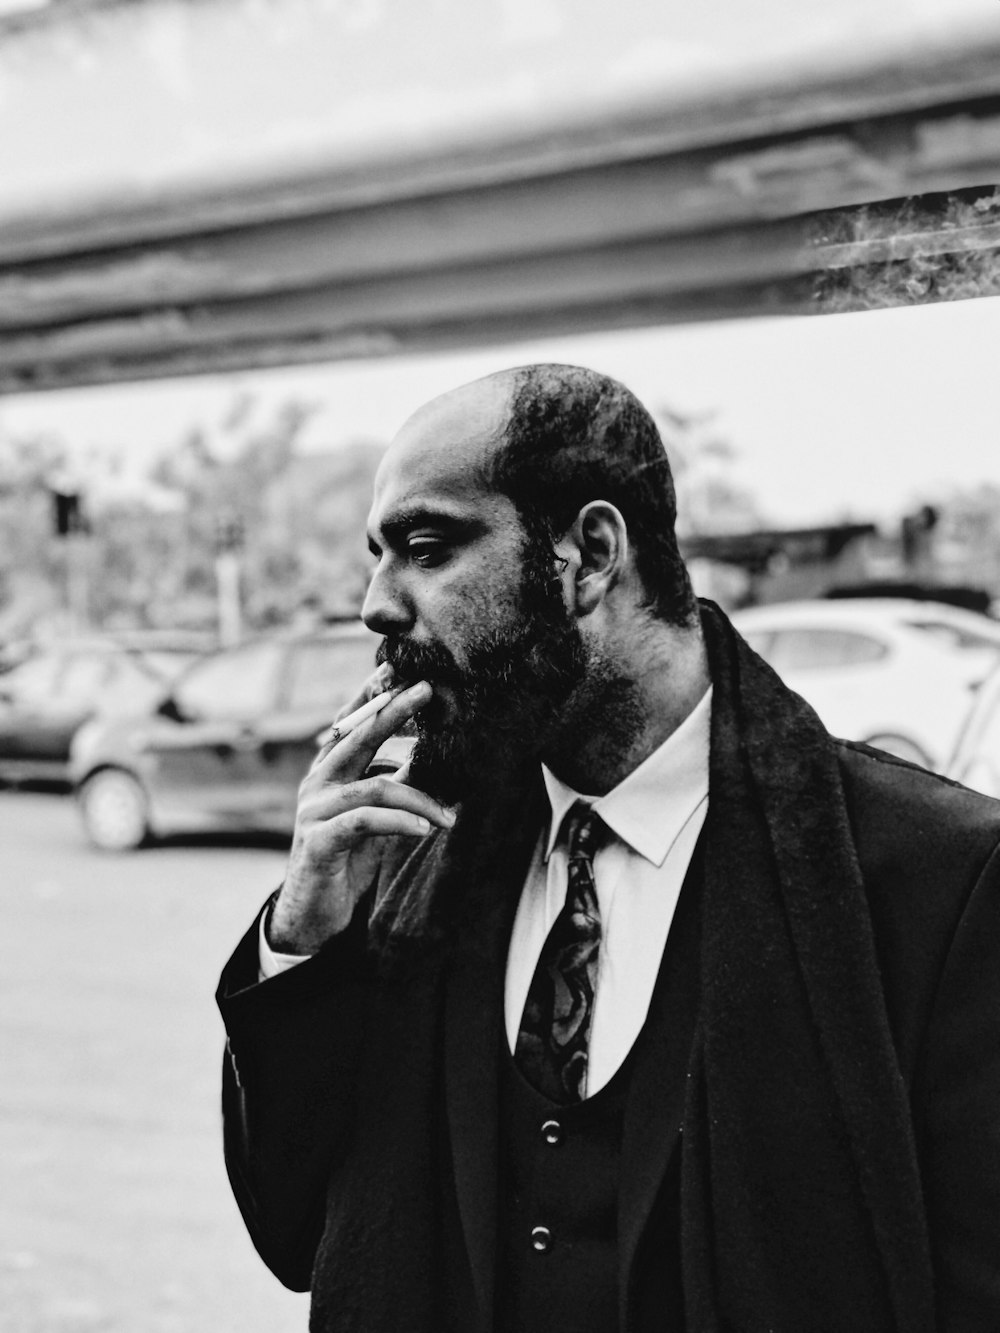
(330, 802)
(348, 757)
(347, 723)
(383, 677)
(402, 777)
(335, 734)
(373, 822)
(379, 680)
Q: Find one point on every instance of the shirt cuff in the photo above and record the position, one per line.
(271, 963)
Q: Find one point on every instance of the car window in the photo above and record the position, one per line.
(813, 649)
(32, 680)
(133, 685)
(167, 665)
(84, 677)
(239, 683)
(324, 673)
(956, 636)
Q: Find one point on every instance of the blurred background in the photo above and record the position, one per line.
(240, 241)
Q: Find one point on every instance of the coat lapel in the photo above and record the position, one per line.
(655, 1106)
(473, 1032)
(473, 1010)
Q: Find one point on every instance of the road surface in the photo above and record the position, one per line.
(115, 1212)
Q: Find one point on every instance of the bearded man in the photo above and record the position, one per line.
(634, 1001)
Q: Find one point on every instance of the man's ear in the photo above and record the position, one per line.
(596, 550)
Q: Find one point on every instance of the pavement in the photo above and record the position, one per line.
(115, 1211)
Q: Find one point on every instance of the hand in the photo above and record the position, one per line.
(341, 817)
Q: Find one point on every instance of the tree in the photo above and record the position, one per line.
(710, 498)
(31, 572)
(298, 519)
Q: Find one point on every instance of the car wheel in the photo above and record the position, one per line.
(115, 810)
(902, 748)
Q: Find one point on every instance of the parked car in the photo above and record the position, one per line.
(872, 674)
(54, 689)
(974, 636)
(975, 760)
(226, 748)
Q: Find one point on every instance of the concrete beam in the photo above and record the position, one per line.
(866, 187)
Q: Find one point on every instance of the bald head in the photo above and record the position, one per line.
(482, 405)
(470, 422)
(446, 451)
(551, 439)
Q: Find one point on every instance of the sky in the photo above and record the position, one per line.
(241, 88)
(847, 416)
(852, 416)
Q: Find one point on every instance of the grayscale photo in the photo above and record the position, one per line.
(500, 666)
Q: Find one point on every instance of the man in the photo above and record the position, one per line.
(635, 1001)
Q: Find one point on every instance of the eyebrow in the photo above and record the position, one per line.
(397, 525)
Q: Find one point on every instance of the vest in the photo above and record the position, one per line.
(558, 1260)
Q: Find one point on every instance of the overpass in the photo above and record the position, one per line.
(195, 188)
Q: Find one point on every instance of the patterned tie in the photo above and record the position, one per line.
(551, 1049)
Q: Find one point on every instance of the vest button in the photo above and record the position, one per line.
(553, 1133)
(541, 1240)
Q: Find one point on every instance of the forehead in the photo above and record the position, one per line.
(441, 457)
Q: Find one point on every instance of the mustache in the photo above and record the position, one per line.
(411, 662)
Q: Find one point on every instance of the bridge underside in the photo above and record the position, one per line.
(857, 189)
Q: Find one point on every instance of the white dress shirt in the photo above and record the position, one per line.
(656, 814)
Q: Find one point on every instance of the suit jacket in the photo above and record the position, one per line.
(824, 1119)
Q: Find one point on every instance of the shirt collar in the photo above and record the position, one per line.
(652, 804)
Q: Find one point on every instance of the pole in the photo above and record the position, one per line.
(227, 578)
(77, 549)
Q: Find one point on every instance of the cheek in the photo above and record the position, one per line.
(475, 603)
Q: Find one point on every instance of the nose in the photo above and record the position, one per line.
(386, 610)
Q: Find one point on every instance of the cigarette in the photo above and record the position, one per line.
(352, 720)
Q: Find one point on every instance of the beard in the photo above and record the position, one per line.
(508, 698)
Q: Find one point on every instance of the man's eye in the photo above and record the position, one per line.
(427, 551)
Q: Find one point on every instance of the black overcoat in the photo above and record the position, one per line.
(823, 1122)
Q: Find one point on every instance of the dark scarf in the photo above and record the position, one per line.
(801, 1198)
(801, 1206)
